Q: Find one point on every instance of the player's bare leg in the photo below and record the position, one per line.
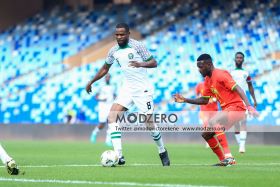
(116, 110)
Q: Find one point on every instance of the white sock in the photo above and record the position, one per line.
(4, 156)
(237, 136)
(228, 155)
(108, 136)
(95, 130)
(158, 140)
(243, 136)
(116, 138)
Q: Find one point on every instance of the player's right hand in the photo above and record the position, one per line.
(88, 88)
(179, 98)
(252, 111)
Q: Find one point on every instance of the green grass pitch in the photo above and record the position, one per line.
(50, 164)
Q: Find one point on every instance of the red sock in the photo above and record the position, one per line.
(223, 142)
(214, 145)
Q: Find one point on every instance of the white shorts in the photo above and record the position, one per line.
(103, 111)
(144, 103)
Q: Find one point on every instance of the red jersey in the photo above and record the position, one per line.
(212, 105)
(221, 85)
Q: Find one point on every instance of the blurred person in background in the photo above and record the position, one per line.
(244, 80)
(81, 116)
(70, 117)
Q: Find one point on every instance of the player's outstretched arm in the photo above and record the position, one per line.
(101, 73)
(241, 94)
(149, 64)
(252, 111)
(197, 101)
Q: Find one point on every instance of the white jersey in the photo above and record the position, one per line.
(242, 78)
(106, 94)
(136, 79)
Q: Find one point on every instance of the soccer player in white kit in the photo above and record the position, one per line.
(244, 80)
(105, 99)
(134, 59)
(8, 162)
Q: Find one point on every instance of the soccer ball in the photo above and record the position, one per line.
(109, 158)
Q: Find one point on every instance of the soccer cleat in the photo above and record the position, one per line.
(226, 162)
(164, 158)
(218, 164)
(121, 161)
(12, 168)
(93, 137)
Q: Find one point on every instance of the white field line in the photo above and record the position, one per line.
(138, 165)
(97, 182)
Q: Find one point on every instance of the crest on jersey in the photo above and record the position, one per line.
(130, 56)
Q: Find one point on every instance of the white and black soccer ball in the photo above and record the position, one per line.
(109, 158)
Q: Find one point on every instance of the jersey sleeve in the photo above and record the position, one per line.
(110, 56)
(143, 52)
(227, 80)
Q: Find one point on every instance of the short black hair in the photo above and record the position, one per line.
(204, 57)
(123, 25)
(240, 53)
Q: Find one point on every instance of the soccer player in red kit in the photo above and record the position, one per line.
(206, 113)
(219, 84)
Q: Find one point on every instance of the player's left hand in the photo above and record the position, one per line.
(88, 88)
(179, 98)
(134, 64)
(252, 111)
(255, 104)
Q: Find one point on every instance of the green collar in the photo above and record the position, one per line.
(239, 69)
(124, 47)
